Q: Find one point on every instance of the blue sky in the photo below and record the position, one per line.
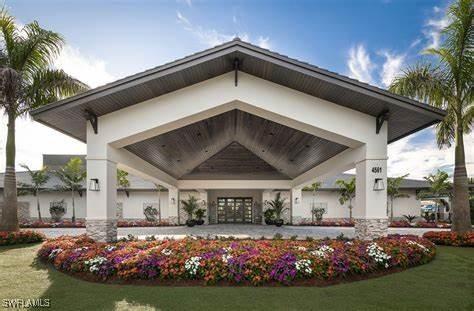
(368, 40)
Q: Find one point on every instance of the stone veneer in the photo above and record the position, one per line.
(102, 230)
(368, 229)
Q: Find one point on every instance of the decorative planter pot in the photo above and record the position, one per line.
(279, 222)
(190, 223)
(269, 221)
(200, 222)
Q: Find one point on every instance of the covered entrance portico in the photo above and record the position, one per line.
(232, 124)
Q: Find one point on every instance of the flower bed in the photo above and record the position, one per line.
(256, 262)
(82, 224)
(329, 223)
(20, 237)
(450, 238)
(419, 224)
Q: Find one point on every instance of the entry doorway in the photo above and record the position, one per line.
(234, 210)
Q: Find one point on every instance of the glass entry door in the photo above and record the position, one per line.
(234, 210)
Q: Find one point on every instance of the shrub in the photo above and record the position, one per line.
(20, 237)
(450, 238)
(318, 213)
(57, 209)
(240, 261)
(151, 213)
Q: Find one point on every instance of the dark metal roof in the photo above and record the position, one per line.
(406, 116)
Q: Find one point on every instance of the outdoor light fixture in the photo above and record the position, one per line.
(297, 200)
(173, 201)
(94, 184)
(378, 184)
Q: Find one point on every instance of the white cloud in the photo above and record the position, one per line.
(34, 139)
(212, 37)
(85, 68)
(415, 43)
(360, 65)
(391, 67)
(433, 28)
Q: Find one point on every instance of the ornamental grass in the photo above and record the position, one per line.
(450, 238)
(20, 237)
(255, 262)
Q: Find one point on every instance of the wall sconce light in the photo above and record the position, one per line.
(94, 184)
(297, 200)
(378, 184)
(173, 201)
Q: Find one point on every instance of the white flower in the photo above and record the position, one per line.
(322, 251)
(377, 253)
(110, 248)
(425, 249)
(304, 266)
(226, 257)
(192, 265)
(95, 263)
(301, 248)
(227, 249)
(166, 251)
(80, 249)
(54, 253)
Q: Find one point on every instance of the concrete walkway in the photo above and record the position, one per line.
(238, 231)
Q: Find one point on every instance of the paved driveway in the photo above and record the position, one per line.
(240, 231)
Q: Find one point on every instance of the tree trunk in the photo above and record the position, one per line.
(9, 221)
(350, 210)
(460, 207)
(38, 207)
(73, 208)
(436, 212)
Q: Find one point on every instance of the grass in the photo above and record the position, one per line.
(447, 283)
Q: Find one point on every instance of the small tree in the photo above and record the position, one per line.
(439, 186)
(122, 181)
(393, 192)
(347, 193)
(38, 180)
(189, 206)
(72, 175)
(313, 188)
(159, 188)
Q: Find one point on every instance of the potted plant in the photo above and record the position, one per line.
(189, 206)
(57, 210)
(269, 216)
(279, 206)
(318, 213)
(200, 212)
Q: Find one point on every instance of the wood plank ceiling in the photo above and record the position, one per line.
(235, 145)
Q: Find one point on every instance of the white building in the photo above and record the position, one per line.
(233, 121)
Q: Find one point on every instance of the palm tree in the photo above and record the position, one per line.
(159, 188)
(393, 191)
(347, 190)
(122, 181)
(279, 206)
(38, 180)
(72, 176)
(27, 81)
(189, 206)
(439, 186)
(448, 84)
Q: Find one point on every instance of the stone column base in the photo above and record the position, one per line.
(102, 230)
(368, 229)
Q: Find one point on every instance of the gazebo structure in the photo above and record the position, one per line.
(237, 118)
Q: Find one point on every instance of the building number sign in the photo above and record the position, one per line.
(377, 169)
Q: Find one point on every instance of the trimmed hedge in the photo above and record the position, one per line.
(450, 238)
(249, 262)
(20, 237)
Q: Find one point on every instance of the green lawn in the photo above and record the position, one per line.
(446, 283)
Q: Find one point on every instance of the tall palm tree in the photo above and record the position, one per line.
(393, 191)
(313, 188)
(38, 180)
(439, 186)
(347, 192)
(448, 84)
(27, 81)
(72, 175)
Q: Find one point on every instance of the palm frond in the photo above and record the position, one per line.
(8, 31)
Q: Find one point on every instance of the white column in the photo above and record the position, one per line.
(369, 211)
(101, 220)
(296, 205)
(173, 203)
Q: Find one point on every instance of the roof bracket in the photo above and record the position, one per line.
(381, 118)
(236, 70)
(92, 118)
